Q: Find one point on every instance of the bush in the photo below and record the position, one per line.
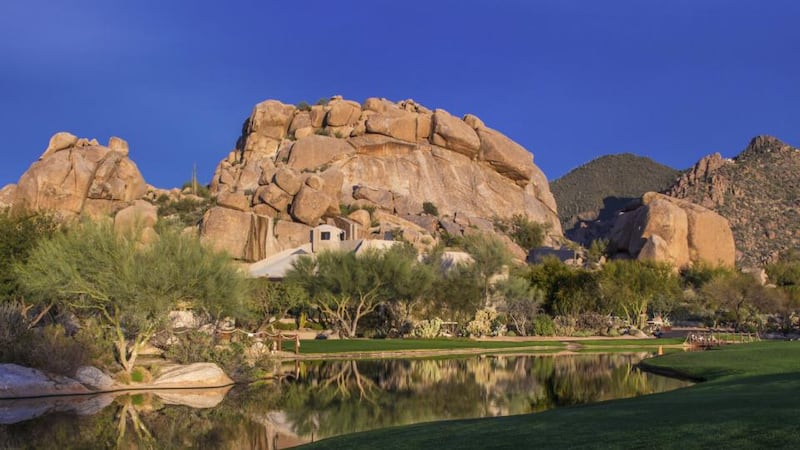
(543, 326)
(428, 329)
(527, 233)
(303, 106)
(50, 349)
(284, 326)
(430, 208)
(482, 324)
(196, 346)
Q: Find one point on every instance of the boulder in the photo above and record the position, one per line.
(273, 196)
(195, 375)
(292, 234)
(424, 125)
(288, 179)
(397, 124)
(196, 399)
(18, 381)
(138, 216)
(343, 113)
(94, 378)
(301, 120)
(7, 195)
(271, 118)
(317, 115)
(379, 145)
(234, 200)
(182, 319)
(454, 134)
(332, 182)
(315, 182)
(506, 156)
(314, 151)
(226, 230)
(380, 197)
(667, 229)
(116, 144)
(474, 122)
(59, 141)
(361, 217)
(66, 181)
(309, 205)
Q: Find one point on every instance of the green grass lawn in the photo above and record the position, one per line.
(628, 342)
(389, 345)
(751, 400)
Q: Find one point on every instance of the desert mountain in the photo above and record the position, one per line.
(374, 169)
(758, 191)
(603, 186)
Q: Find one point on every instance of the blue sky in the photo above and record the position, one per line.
(569, 80)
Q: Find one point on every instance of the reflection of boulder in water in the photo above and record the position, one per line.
(20, 410)
(194, 398)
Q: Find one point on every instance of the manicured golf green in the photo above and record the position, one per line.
(751, 399)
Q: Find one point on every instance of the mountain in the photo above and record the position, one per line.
(758, 191)
(607, 183)
(375, 169)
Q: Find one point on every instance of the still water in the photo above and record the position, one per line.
(318, 399)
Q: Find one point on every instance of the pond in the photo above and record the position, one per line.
(318, 399)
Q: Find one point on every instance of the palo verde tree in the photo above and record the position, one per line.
(490, 256)
(94, 272)
(634, 286)
(345, 286)
(739, 297)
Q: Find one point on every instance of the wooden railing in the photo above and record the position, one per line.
(716, 338)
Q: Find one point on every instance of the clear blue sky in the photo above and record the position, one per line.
(569, 80)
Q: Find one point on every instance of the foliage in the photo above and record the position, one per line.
(197, 189)
(184, 211)
(197, 346)
(567, 290)
(430, 208)
(489, 256)
(303, 106)
(785, 273)
(631, 287)
(597, 250)
(19, 234)
(272, 299)
(323, 101)
(347, 287)
(428, 329)
(698, 274)
(527, 233)
(523, 303)
(481, 325)
(284, 326)
(740, 298)
(95, 273)
(543, 325)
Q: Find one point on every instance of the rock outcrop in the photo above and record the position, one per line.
(307, 167)
(757, 192)
(18, 381)
(79, 177)
(667, 229)
(195, 375)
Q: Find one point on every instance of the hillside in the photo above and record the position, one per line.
(606, 184)
(758, 192)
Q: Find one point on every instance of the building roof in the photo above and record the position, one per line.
(277, 265)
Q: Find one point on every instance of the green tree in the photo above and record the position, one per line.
(95, 273)
(272, 299)
(634, 286)
(489, 256)
(523, 302)
(527, 233)
(20, 232)
(345, 287)
(785, 273)
(740, 297)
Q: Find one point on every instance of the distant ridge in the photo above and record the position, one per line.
(604, 185)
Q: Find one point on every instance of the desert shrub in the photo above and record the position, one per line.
(482, 324)
(303, 106)
(197, 346)
(284, 326)
(49, 348)
(430, 208)
(543, 325)
(428, 329)
(525, 232)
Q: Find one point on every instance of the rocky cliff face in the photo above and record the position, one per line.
(307, 166)
(78, 177)
(758, 192)
(667, 229)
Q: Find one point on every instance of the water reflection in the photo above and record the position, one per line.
(326, 398)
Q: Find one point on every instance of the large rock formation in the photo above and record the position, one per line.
(78, 177)
(300, 166)
(757, 192)
(667, 229)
